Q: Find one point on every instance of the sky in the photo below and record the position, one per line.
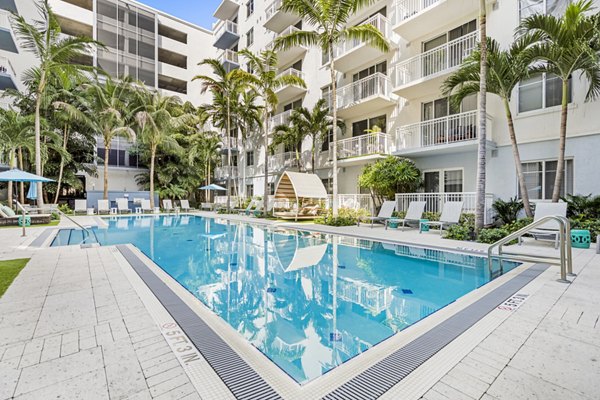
(197, 11)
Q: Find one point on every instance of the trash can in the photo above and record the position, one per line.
(424, 228)
(581, 238)
(27, 220)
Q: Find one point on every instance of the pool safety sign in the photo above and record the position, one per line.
(513, 302)
(184, 349)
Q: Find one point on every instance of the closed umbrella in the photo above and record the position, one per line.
(32, 192)
(16, 175)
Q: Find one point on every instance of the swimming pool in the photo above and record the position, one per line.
(283, 291)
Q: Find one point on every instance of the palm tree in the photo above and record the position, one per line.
(205, 147)
(55, 53)
(482, 128)
(562, 46)
(329, 18)
(108, 113)
(265, 82)
(225, 87)
(290, 135)
(159, 117)
(506, 69)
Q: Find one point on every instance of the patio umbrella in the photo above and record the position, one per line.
(16, 175)
(212, 186)
(32, 192)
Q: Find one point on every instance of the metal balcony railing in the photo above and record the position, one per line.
(378, 21)
(374, 85)
(6, 67)
(229, 56)
(280, 161)
(281, 118)
(405, 9)
(291, 72)
(441, 131)
(226, 26)
(286, 31)
(435, 61)
(363, 145)
(224, 172)
(272, 9)
(229, 142)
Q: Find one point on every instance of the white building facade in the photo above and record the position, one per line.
(392, 104)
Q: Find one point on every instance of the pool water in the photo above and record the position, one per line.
(286, 294)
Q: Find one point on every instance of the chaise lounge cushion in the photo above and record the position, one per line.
(7, 211)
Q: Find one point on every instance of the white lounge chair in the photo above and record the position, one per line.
(123, 206)
(103, 207)
(549, 229)
(145, 205)
(450, 216)
(414, 213)
(80, 206)
(185, 205)
(385, 213)
(207, 206)
(167, 205)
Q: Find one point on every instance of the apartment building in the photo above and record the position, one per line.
(146, 44)
(392, 104)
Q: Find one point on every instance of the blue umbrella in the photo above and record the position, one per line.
(16, 175)
(212, 186)
(32, 192)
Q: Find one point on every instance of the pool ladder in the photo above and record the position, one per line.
(565, 259)
(83, 228)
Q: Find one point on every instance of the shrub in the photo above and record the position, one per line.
(492, 235)
(432, 216)
(592, 225)
(507, 211)
(65, 208)
(458, 232)
(55, 216)
(583, 206)
(346, 217)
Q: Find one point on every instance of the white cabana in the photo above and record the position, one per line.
(297, 196)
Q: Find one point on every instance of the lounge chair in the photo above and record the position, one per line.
(9, 217)
(550, 229)
(385, 213)
(80, 207)
(185, 205)
(451, 213)
(123, 206)
(248, 210)
(145, 205)
(103, 207)
(414, 213)
(207, 206)
(167, 205)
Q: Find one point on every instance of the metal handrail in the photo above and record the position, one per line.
(565, 260)
(89, 233)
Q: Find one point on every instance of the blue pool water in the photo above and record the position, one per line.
(280, 289)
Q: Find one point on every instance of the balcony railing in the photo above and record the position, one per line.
(226, 26)
(291, 72)
(286, 31)
(273, 8)
(405, 9)
(434, 202)
(378, 21)
(6, 67)
(224, 172)
(374, 85)
(440, 131)
(435, 61)
(281, 118)
(229, 142)
(282, 161)
(363, 145)
(229, 56)
(5, 20)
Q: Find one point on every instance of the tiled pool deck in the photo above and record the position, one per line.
(75, 324)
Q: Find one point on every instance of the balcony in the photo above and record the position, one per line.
(283, 161)
(286, 57)
(352, 54)
(230, 60)
(276, 20)
(222, 173)
(424, 73)
(451, 134)
(364, 96)
(7, 74)
(226, 35)
(414, 18)
(360, 149)
(229, 142)
(281, 118)
(7, 39)
(226, 9)
(288, 92)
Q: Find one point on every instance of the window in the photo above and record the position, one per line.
(249, 8)
(294, 105)
(271, 188)
(249, 69)
(376, 124)
(372, 70)
(446, 181)
(541, 91)
(249, 158)
(540, 176)
(553, 7)
(327, 141)
(250, 190)
(250, 37)
(328, 183)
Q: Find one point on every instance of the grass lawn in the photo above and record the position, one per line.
(9, 271)
(52, 223)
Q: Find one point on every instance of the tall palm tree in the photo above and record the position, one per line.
(225, 87)
(329, 19)
(482, 128)
(159, 117)
(55, 53)
(106, 104)
(562, 46)
(506, 69)
(265, 82)
(205, 148)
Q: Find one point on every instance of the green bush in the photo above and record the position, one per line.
(587, 207)
(592, 225)
(346, 217)
(65, 209)
(55, 216)
(492, 235)
(432, 216)
(458, 232)
(507, 211)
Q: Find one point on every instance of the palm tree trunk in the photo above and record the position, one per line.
(560, 167)
(152, 158)
(481, 151)
(38, 142)
(11, 158)
(334, 128)
(21, 184)
(106, 156)
(312, 154)
(62, 164)
(517, 157)
(266, 195)
(227, 135)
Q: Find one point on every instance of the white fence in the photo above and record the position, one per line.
(378, 21)
(434, 202)
(405, 9)
(440, 131)
(435, 61)
(367, 144)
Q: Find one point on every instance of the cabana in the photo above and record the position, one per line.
(297, 196)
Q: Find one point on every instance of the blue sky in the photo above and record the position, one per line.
(197, 11)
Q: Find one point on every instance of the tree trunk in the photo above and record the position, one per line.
(38, 141)
(266, 194)
(106, 156)
(312, 154)
(482, 128)
(21, 184)
(152, 158)
(517, 157)
(62, 164)
(230, 169)
(334, 128)
(11, 159)
(560, 167)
